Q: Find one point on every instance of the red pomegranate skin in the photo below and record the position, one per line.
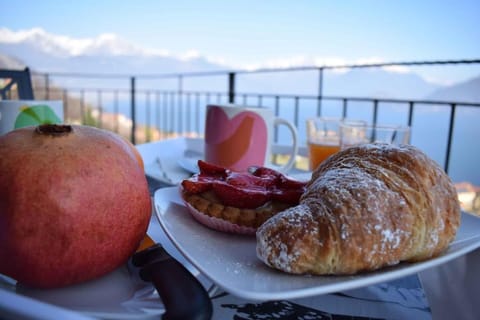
(73, 206)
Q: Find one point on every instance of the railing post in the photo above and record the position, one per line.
(147, 117)
(82, 106)
(100, 108)
(277, 112)
(180, 84)
(453, 108)
(132, 108)
(375, 112)
(410, 113)
(180, 104)
(47, 86)
(231, 87)
(115, 109)
(296, 110)
(65, 102)
(373, 136)
(320, 91)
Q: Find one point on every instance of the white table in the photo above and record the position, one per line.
(452, 289)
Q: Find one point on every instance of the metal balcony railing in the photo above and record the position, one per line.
(176, 110)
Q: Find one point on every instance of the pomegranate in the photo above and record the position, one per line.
(74, 204)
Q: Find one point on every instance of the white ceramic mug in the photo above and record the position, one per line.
(237, 137)
(16, 114)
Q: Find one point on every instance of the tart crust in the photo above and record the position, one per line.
(206, 208)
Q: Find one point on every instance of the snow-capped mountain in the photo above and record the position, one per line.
(107, 53)
(63, 46)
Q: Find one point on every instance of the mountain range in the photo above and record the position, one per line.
(109, 54)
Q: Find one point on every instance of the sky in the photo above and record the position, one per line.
(247, 34)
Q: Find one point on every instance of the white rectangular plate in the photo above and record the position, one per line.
(231, 262)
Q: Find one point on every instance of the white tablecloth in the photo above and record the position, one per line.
(449, 291)
(452, 289)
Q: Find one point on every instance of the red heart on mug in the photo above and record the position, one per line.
(235, 143)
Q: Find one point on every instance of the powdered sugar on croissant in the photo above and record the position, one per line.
(366, 207)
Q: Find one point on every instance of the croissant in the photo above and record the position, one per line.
(366, 207)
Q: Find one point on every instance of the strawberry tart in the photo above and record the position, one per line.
(238, 202)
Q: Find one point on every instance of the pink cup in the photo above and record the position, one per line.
(237, 137)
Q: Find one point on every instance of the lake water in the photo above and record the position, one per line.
(429, 126)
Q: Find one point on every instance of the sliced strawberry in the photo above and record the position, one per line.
(194, 186)
(271, 177)
(265, 172)
(240, 198)
(211, 169)
(245, 190)
(245, 180)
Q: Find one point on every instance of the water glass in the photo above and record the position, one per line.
(352, 134)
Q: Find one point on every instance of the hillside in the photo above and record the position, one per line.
(468, 91)
(73, 107)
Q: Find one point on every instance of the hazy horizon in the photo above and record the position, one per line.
(251, 35)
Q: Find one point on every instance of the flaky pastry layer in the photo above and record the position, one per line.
(365, 208)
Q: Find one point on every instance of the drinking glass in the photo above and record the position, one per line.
(352, 134)
(323, 137)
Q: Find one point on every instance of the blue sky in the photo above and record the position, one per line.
(256, 32)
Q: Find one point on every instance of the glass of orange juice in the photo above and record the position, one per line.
(323, 138)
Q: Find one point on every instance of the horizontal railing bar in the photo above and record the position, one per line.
(360, 66)
(139, 76)
(112, 90)
(260, 70)
(363, 99)
(86, 89)
(409, 63)
(358, 99)
(273, 96)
